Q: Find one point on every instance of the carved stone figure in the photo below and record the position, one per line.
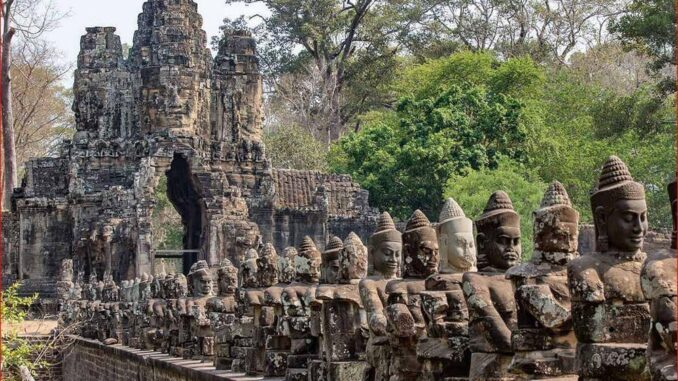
(384, 261)
(297, 299)
(444, 351)
(403, 312)
(489, 295)
(658, 280)
(64, 286)
(610, 314)
(221, 310)
(288, 272)
(342, 316)
(544, 342)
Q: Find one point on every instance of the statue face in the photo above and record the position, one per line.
(331, 271)
(421, 252)
(502, 248)
(308, 267)
(203, 284)
(457, 247)
(626, 226)
(556, 235)
(228, 283)
(387, 257)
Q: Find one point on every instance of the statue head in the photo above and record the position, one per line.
(288, 272)
(329, 269)
(456, 241)
(267, 266)
(420, 247)
(249, 268)
(228, 278)
(385, 249)
(352, 259)
(556, 226)
(181, 286)
(619, 209)
(307, 262)
(674, 210)
(498, 236)
(201, 281)
(66, 270)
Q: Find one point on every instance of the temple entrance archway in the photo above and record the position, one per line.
(183, 193)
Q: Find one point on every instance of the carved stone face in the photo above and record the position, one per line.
(501, 246)
(625, 226)
(387, 258)
(352, 259)
(308, 267)
(457, 245)
(203, 284)
(228, 281)
(555, 232)
(421, 252)
(331, 270)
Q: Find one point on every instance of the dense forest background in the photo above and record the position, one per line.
(421, 100)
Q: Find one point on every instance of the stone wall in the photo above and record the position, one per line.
(88, 360)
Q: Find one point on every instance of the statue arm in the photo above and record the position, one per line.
(376, 320)
(584, 282)
(483, 312)
(540, 302)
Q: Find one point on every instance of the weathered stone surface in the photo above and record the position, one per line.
(169, 110)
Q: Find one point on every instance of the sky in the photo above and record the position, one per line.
(122, 14)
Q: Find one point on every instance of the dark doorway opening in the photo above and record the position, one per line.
(183, 194)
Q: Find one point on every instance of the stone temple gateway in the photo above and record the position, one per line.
(169, 109)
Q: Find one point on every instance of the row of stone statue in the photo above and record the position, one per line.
(425, 304)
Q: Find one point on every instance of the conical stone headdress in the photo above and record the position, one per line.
(418, 220)
(615, 183)
(451, 210)
(498, 211)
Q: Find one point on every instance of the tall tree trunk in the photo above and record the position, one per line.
(10, 175)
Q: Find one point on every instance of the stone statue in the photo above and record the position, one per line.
(489, 295)
(221, 310)
(201, 286)
(658, 280)
(64, 286)
(444, 351)
(403, 312)
(544, 342)
(384, 261)
(609, 311)
(297, 299)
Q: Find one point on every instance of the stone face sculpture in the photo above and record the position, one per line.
(329, 269)
(297, 299)
(288, 273)
(201, 338)
(384, 261)
(403, 312)
(658, 280)
(444, 351)
(267, 266)
(248, 269)
(544, 342)
(64, 286)
(610, 314)
(489, 295)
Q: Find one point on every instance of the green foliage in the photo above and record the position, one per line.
(526, 190)
(649, 27)
(17, 351)
(451, 121)
(294, 148)
(644, 111)
(168, 231)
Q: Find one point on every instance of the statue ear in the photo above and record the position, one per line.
(480, 241)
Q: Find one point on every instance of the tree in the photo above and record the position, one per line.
(442, 128)
(17, 352)
(548, 30)
(294, 148)
(42, 116)
(29, 20)
(341, 40)
(649, 26)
